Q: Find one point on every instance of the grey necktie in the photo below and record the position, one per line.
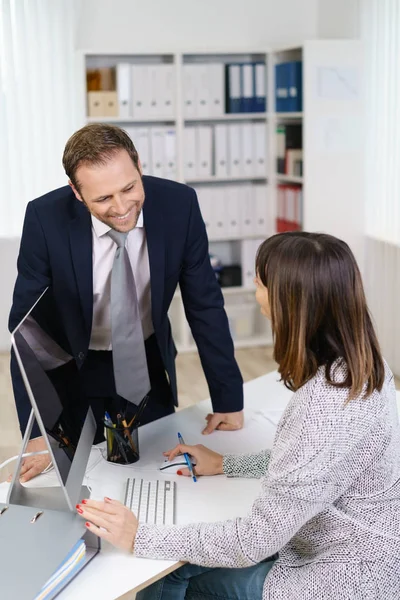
(129, 356)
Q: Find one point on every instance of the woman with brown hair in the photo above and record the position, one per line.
(330, 487)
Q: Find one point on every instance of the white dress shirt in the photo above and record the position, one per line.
(103, 257)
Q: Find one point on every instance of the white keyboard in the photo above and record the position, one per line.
(151, 501)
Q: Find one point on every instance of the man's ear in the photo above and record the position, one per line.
(77, 194)
(140, 168)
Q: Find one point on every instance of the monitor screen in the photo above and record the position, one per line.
(52, 382)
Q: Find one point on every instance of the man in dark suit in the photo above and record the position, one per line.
(69, 244)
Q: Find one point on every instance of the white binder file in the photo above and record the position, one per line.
(247, 203)
(170, 153)
(232, 210)
(220, 217)
(157, 151)
(204, 151)
(154, 91)
(221, 150)
(260, 146)
(248, 261)
(262, 221)
(235, 151)
(189, 91)
(166, 90)
(202, 79)
(189, 153)
(248, 149)
(140, 97)
(217, 89)
(124, 87)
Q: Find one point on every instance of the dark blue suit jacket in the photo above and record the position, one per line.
(56, 251)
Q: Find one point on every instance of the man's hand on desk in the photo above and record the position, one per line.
(35, 464)
(224, 422)
(208, 462)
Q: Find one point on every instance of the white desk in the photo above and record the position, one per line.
(115, 575)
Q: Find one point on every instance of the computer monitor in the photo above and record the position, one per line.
(64, 418)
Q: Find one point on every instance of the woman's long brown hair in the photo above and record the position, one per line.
(318, 311)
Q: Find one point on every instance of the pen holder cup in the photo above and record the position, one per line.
(122, 444)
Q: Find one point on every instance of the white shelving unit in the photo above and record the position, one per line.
(331, 180)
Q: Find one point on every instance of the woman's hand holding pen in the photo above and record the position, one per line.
(208, 462)
(110, 520)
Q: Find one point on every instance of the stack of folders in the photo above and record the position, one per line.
(139, 91)
(288, 86)
(156, 147)
(245, 87)
(289, 208)
(213, 89)
(226, 150)
(236, 211)
(289, 145)
(66, 571)
(203, 90)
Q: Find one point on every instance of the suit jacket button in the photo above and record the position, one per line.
(81, 356)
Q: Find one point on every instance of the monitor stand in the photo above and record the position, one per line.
(57, 496)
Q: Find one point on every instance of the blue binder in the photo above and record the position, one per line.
(247, 88)
(295, 86)
(289, 86)
(281, 91)
(260, 86)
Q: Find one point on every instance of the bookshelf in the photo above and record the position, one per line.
(326, 176)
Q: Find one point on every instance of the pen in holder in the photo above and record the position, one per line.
(122, 443)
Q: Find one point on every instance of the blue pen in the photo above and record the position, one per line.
(108, 418)
(187, 458)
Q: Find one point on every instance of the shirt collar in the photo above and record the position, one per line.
(101, 228)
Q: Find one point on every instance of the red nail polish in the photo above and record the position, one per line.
(78, 506)
(87, 524)
(84, 502)
(179, 472)
(80, 511)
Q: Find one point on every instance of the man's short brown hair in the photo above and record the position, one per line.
(95, 144)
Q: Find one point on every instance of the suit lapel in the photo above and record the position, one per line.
(80, 237)
(154, 227)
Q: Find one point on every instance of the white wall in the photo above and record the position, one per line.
(338, 19)
(196, 24)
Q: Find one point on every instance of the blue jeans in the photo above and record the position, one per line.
(191, 582)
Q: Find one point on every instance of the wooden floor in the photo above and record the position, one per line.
(192, 387)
